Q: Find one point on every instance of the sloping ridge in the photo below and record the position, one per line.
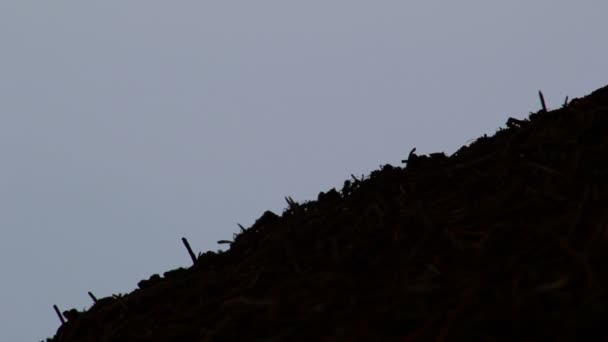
(504, 240)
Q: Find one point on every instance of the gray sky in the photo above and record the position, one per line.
(125, 125)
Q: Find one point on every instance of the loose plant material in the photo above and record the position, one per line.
(504, 240)
(61, 319)
(92, 297)
(190, 252)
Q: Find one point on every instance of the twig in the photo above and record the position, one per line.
(544, 168)
(192, 256)
(224, 241)
(412, 155)
(554, 285)
(93, 297)
(291, 203)
(542, 100)
(242, 228)
(59, 314)
(566, 102)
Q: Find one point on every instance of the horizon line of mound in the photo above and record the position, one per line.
(503, 240)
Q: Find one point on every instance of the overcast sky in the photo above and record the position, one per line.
(125, 125)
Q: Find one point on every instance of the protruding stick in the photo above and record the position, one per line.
(59, 314)
(411, 156)
(92, 297)
(192, 256)
(542, 100)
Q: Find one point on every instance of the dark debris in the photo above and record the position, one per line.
(505, 240)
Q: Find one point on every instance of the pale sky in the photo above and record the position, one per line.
(125, 125)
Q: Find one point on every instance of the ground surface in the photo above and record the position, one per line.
(506, 240)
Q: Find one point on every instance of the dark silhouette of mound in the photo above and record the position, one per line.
(505, 240)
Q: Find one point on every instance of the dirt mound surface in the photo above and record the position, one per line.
(505, 240)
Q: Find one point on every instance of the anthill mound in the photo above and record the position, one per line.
(505, 240)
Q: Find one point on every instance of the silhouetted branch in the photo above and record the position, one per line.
(542, 100)
(291, 203)
(192, 256)
(410, 156)
(92, 297)
(59, 314)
